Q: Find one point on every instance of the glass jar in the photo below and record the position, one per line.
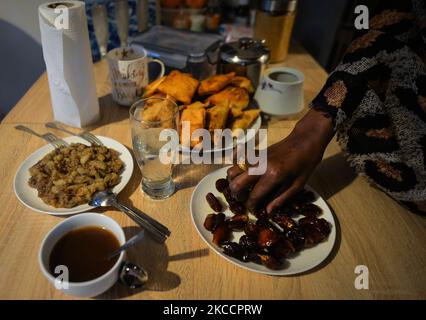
(274, 24)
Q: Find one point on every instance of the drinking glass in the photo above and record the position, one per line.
(100, 25)
(122, 18)
(142, 14)
(147, 123)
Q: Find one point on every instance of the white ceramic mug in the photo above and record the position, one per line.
(89, 288)
(128, 72)
(280, 92)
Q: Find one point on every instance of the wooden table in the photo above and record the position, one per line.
(373, 230)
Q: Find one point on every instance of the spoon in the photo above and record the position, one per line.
(129, 243)
(155, 229)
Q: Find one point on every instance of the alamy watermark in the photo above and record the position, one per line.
(361, 21)
(361, 280)
(62, 280)
(62, 20)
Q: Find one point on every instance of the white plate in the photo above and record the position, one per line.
(303, 261)
(244, 139)
(28, 196)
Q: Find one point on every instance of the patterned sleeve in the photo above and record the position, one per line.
(366, 66)
(377, 99)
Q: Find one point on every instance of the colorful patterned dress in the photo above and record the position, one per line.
(377, 99)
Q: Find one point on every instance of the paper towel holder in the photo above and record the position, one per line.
(57, 4)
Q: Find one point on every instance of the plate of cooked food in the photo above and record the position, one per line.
(62, 181)
(222, 101)
(293, 239)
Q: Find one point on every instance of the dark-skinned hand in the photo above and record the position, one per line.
(290, 162)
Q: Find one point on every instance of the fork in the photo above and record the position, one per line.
(49, 137)
(84, 134)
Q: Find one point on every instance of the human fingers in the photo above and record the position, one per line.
(284, 196)
(264, 186)
(234, 171)
(240, 185)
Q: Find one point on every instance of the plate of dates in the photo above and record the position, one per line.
(293, 239)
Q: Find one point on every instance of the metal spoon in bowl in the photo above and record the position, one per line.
(155, 229)
(129, 243)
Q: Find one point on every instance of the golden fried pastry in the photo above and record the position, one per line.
(215, 83)
(236, 112)
(245, 120)
(159, 110)
(168, 110)
(217, 117)
(198, 104)
(197, 120)
(181, 86)
(155, 98)
(195, 105)
(237, 97)
(152, 87)
(150, 113)
(242, 82)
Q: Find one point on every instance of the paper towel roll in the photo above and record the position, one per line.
(68, 59)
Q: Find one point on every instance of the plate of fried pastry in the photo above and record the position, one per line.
(293, 239)
(62, 181)
(222, 101)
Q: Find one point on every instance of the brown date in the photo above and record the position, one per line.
(221, 233)
(228, 195)
(267, 237)
(221, 184)
(321, 224)
(237, 207)
(233, 249)
(312, 234)
(282, 249)
(260, 213)
(251, 229)
(269, 261)
(265, 223)
(284, 221)
(287, 210)
(310, 209)
(304, 196)
(237, 251)
(297, 237)
(213, 220)
(248, 242)
(213, 202)
(237, 222)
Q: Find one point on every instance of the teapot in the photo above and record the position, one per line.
(246, 57)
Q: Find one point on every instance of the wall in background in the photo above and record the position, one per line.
(20, 51)
(316, 26)
(22, 13)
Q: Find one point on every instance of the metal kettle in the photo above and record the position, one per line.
(246, 57)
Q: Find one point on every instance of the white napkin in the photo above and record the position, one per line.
(69, 64)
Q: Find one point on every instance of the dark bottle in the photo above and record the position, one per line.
(213, 15)
(242, 13)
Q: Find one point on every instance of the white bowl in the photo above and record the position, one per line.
(29, 196)
(87, 288)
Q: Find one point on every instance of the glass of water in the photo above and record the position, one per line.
(148, 119)
(100, 25)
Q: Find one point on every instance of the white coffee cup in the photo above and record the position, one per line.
(89, 288)
(128, 72)
(280, 92)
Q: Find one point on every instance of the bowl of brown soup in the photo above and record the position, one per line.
(74, 255)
